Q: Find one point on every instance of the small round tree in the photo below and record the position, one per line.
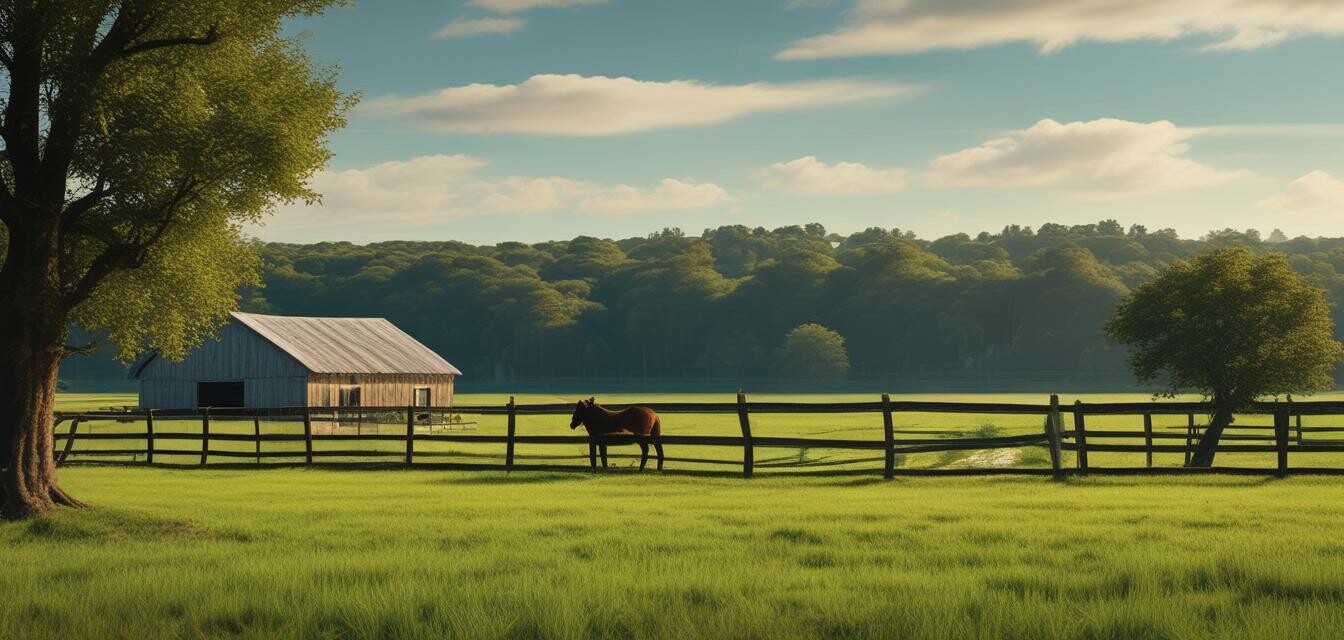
(1232, 325)
(813, 352)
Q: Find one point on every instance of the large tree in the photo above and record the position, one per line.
(139, 137)
(1232, 325)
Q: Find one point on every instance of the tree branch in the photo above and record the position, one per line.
(6, 32)
(127, 255)
(6, 195)
(80, 349)
(209, 38)
(86, 202)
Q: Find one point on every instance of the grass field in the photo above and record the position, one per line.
(389, 554)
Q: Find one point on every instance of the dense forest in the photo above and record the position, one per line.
(1018, 306)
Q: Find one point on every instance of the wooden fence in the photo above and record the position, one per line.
(1284, 437)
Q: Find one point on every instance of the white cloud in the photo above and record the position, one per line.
(514, 6)
(574, 105)
(1103, 158)
(669, 195)
(808, 176)
(886, 27)
(444, 187)
(1317, 191)
(466, 27)
(463, 28)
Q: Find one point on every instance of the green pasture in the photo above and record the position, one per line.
(300, 553)
(701, 458)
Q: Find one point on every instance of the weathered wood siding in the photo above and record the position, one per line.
(272, 378)
(379, 389)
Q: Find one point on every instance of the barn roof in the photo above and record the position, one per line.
(340, 345)
(347, 345)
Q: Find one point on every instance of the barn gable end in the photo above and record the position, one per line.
(271, 377)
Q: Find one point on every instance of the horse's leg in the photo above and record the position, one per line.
(592, 454)
(604, 455)
(658, 445)
(643, 453)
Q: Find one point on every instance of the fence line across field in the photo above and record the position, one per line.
(1286, 437)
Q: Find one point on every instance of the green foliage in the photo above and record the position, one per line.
(178, 298)
(1232, 325)
(812, 352)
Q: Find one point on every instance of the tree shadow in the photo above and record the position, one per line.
(515, 477)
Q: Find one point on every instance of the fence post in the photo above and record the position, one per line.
(1148, 437)
(1080, 433)
(1189, 436)
(889, 433)
(1298, 421)
(410, 433)
(149, 436)
(308, 435)
(1281, 439)
(205, 434)
(69, 442)
(513, 430)
(256, 435)
(1052, 435)
(748, 451)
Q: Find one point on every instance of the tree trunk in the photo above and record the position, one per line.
(1208, 443)
(32, 343)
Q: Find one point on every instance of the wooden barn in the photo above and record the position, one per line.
(279, 361)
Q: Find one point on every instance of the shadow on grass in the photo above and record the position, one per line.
(860, 482)
(102, 525)
(1210, 479)
(516, 477)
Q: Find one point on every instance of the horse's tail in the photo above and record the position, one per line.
(657, 429)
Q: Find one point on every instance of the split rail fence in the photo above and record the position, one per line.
(1064, 429)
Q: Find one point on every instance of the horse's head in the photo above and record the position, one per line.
(580, 411)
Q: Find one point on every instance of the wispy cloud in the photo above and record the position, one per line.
(887, 27)
(575, 105)
(446, 187)
(514, 6)
(467, 27)
(808, 176)
(1317, 191)
(1099, 158)
(463, 28)
(669, 195)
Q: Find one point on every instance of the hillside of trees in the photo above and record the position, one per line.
(1020, 304)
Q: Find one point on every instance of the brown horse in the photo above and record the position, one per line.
(640, 423)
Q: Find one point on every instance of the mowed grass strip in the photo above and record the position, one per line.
(419, 553)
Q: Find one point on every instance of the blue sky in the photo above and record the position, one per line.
(492, 120)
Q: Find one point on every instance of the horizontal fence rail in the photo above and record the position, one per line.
(306, 425)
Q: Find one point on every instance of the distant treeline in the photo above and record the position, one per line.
(717, 306)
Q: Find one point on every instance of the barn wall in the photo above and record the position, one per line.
(379, 390)
(259, 392)
(272, 378)
(276, 392)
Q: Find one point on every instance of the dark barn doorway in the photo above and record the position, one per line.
(220, 394)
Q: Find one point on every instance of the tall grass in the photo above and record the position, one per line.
(324, 553)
